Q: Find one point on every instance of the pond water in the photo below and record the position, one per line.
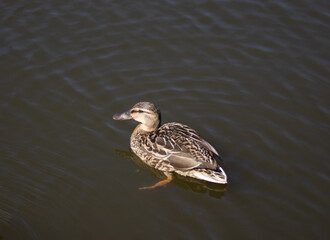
(252, 77)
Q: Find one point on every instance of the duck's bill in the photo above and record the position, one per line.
(122, 116)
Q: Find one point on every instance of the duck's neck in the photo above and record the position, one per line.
(149, 128)
(141, 129)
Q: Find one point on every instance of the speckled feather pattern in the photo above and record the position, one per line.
(175, 147)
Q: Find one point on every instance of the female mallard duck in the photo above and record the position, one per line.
(171, 147)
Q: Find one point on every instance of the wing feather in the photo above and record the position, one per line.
(182, 147)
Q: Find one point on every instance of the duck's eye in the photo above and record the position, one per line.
(137, 111)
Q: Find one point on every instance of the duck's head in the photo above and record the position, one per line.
(144, 112)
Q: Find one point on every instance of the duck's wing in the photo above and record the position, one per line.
(189, 133)
(182, 147)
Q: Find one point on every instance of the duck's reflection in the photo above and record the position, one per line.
(186, 183)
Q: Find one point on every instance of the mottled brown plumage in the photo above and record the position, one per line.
(172, 147)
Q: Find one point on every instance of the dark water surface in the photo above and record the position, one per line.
(252, 77)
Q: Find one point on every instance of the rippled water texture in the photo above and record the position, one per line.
(252, 77)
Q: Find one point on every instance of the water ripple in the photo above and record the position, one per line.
(251, 77)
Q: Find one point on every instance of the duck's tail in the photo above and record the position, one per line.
(215, 176)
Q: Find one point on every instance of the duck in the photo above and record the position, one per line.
(171, 147)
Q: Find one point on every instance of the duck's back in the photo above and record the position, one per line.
(182, 147)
